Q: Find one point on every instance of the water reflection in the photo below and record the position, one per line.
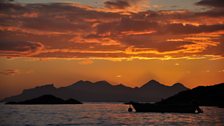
(101, 114)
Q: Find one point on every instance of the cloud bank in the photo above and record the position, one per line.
(121, 30)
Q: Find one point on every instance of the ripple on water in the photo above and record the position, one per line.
(100, 114)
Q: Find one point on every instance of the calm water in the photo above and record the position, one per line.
(101, 114)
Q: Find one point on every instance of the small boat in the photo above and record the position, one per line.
(164, 108)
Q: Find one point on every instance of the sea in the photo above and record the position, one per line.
(102, 114)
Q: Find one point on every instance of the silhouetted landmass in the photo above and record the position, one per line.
(187, 101)
(47, 99)
(103, 91)
(172, 108)
(203, 95)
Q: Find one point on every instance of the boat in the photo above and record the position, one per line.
(166, 108)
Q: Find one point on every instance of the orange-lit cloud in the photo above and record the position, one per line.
(9, 72)
(86, 62)
(129, 30)
(126, 6)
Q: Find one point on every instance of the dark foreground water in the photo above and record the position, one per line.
(101, 114)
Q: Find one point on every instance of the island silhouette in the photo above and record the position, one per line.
(47, 99)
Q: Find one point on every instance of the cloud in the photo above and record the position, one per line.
(117, 4)
(216, 8)
(126, 6)
(191, 29)
(9, 72)
(211, 3)
(70, 30)
(19, 48)
(86, 62)
(126, 24)
(6, 1)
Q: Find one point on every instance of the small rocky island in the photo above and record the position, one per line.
(46, 99)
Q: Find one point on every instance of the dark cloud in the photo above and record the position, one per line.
(190, 29)
(153, 42)
(126, 6)
(19, 48)
(211, 3)
(126, 24)
(53, 17)
(215, 13)
(117, 4)
(217, 8)
(6, 1)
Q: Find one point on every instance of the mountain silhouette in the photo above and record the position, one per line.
(153, 84)
(102, 91)
(203, 95)
(47, 99)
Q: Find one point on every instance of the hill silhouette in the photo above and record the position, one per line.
(47, 99)
(102, 91)
(203, 95)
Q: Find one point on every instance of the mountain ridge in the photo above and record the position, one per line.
(102, 91)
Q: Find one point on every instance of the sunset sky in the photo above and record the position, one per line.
(121, 41)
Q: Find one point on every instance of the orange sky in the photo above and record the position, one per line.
(121, 41)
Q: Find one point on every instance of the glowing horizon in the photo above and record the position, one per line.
(120, 41)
